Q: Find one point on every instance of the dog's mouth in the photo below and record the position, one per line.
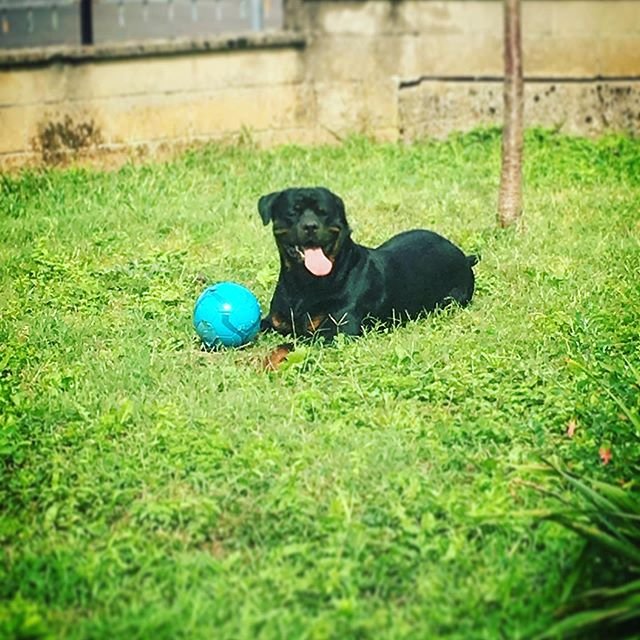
(315, 260)
(316, 251)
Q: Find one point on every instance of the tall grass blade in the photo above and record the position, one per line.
(607, 517)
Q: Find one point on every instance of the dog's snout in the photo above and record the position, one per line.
(309, 222)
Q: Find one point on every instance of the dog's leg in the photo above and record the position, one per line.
(344, 322)
(274, 360)
(275, 322)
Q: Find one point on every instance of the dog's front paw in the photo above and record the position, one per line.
(275, 322)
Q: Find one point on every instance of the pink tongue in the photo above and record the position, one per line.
(317, 262)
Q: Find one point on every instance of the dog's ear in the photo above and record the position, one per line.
(337, 203)
(340, 206)
(265, 204)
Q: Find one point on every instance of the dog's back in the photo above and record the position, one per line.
(425, 271)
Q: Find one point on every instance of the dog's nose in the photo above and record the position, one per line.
(308, 222)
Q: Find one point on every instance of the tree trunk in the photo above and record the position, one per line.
(510, 201)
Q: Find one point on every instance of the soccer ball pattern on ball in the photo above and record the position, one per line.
(226, 314)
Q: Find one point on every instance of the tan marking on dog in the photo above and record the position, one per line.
(333, 252)
(315, 322)
(273, 361)
(280, 324)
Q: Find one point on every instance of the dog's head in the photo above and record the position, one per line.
(309, 226)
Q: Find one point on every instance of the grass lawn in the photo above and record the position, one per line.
(369, 489)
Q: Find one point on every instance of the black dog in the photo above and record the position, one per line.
(328, 284)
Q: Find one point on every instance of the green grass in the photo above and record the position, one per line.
(151, 490)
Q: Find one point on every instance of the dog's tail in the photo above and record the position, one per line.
(473, 259)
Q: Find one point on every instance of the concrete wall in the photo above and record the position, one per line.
(395, 69)
(416, 68)
(122, 100)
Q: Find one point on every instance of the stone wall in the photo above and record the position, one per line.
(394, 69)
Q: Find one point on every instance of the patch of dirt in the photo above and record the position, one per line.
(57, 141)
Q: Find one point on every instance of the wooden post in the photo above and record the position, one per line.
(510, 199)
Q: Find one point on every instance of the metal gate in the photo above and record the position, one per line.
(37, 23)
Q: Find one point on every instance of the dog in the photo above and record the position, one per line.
(329, 284)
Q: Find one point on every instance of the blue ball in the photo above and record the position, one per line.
(226, 314)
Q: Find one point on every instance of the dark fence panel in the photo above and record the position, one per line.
(36, 23)
(115, 20)
(33, 23)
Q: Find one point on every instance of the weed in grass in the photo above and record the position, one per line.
(150, 489)
(607, 517)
